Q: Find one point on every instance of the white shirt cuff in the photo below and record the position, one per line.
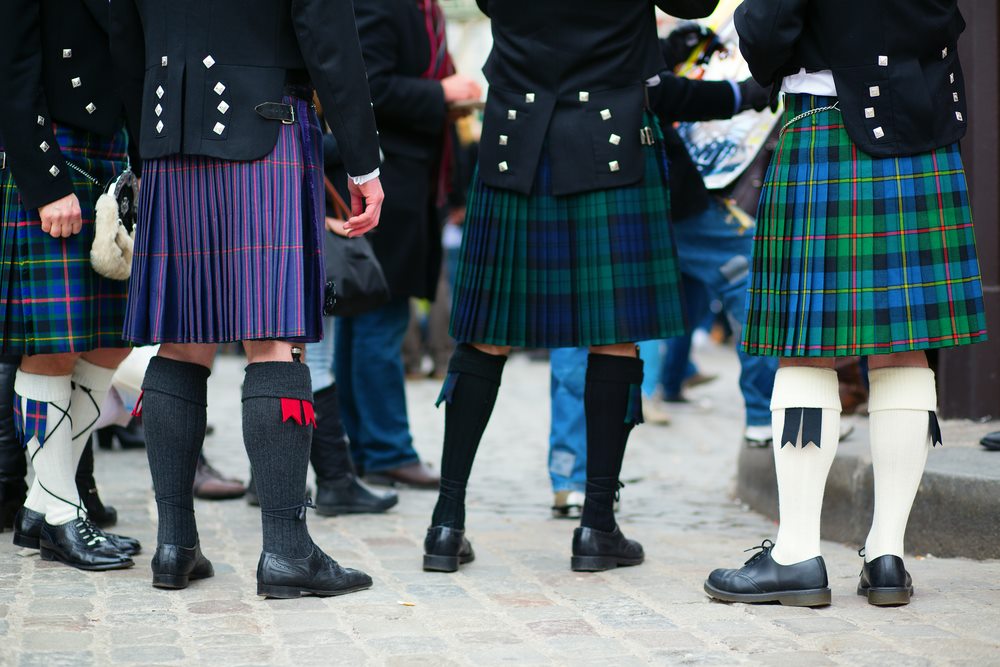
(361, 180)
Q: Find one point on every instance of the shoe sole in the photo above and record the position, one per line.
(176, 582)
(566, 512)
(337, 510)
(601, 563)
(51, 555)
(269, 591)
(887, 597)
(26, 541)
(815, 597)
(434, 563)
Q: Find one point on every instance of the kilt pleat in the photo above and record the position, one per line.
(51, 299)
(596, 268)
(857, 255)
(228, 250)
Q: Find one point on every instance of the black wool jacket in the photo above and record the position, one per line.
(895, 64)
(55, 66)
(572, 75)
(193, 71)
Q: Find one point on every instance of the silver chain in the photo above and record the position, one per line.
(83, 173)
(833, 107)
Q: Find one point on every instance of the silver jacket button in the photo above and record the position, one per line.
(613, 165)
(54, 170)
(76, 82)
(584, 96)
(502, 167)
(605, 114)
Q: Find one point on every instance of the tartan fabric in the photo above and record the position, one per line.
(596, 268)
(856, 255)
(51, 300)
(30, 422)
(229, 251)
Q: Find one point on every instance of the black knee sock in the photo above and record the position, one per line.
(470, 392)
(278, 424)
(613, 406)
(174, 403)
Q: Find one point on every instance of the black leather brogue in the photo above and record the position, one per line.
(28, 530)
(81, 544)
(317, 574)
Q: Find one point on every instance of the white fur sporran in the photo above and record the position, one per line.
(114, 227)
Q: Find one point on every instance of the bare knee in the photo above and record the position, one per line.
(495, 350)
(49, 364)
(619, 350)
(202, 354)
(269, 350)
(808, 362)
(898, 360)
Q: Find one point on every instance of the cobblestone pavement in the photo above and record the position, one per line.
(519, 602)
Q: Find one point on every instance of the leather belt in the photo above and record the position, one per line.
(276, 111)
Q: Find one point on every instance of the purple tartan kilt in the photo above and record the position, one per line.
(229, 251)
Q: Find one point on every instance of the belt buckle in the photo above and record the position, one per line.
(290, 121)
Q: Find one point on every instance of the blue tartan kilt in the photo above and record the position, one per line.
(230, 251)
(595, 268)
(51, 299)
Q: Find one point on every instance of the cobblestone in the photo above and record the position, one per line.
(518, 603)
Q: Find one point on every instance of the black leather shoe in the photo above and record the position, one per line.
(991, 441)
(597, 550)
(79, 544)
(28, 530)
(175, 566)
(445, 549)
(349, 495)
(761, 579)
(317, 574)
(886, 582)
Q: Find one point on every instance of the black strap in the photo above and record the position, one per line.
(276, 111)
(935, 429)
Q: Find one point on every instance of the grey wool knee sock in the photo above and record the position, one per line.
(278, 423)
(174, 412)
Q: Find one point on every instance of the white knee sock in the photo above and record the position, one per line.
(899, 407)
(802, 467)
(50, 447)
(90, 388)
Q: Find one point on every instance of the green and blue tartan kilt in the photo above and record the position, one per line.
(596, 268)
(858, 255)
(51, 300)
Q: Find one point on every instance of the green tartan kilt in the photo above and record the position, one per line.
(858, 255)
(51, 299)
(596, 268)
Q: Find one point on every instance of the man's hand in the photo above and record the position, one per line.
(336, 226)
(62, 218)
(460, 88)
(366, 205)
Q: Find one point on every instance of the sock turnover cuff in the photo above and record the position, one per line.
(180, 379)
(902, 388)
(92, 376)
(806, 387)
(44, 388)
(278, 379)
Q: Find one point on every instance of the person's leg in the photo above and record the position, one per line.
(677, 365)
(343, 371)
(649, 352)
(613, 404)
(44, 392)
(469, 393)
(568, 431)
(904, 427)
(806, 420)
(382, 433)
(278, 419)
(174, 412)
(13, 465)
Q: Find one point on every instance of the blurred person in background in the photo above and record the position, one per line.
(414, 87)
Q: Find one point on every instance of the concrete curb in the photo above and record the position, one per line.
(956, 512)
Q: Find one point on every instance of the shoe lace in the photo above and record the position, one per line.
(300, 511)
(90, 533)
(618, 491)
(764, 547)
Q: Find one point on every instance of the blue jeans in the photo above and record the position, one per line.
(677, 365)
(369, 367)
(319, 358)
(568, 433)
(714, 249)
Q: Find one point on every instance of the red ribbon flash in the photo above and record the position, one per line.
(301, 412)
